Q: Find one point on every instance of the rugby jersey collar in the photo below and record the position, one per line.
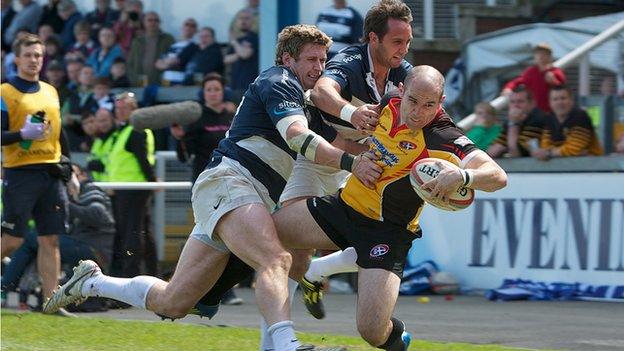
(24, 86)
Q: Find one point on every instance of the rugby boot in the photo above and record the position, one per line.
(313, 297)
(71, 292)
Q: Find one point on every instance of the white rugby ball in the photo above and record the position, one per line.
(428, 168)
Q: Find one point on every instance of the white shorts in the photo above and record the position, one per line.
(309, 179)
(220, 190)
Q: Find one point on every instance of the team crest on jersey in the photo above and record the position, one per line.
(379, 250)
(462, 141)
(407, 145)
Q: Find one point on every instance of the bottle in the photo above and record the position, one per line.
(38, 117)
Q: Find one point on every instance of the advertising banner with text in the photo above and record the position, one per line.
(555, 227)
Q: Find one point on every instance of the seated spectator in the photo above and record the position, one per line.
(80, 100)
(568, 130)
(51, 17)
(342, 23)
(10, 69)
(68, 11)
(53, 52)
(486, 128)
(118, 76)
(146, 49)
(45, 31)
(103, 57)
(83, 46)
(55, 76)
(523, 128)
(7, 16)
(102, 16)
(73, 72)
(243, 56)
(169, 62)
(25, 19)
(203, 58)
(102, 94)
(89, 128)
(540, 77)
(128, 26)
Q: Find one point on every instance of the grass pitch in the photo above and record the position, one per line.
(34, 331)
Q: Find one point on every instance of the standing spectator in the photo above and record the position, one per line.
(7, 16)
(486, 128)
(28, 17)
(342, 23)
(55, 76)
(243, 56)
(68, 11)
(83, 46)
(203, 58)
(32, 149)
(103, 16)
(102, 144)
(50, 16)
(130, 160)
(170, 62)
(128, 26)
(73, 72)
(146, 49)
(118, 76)
(523, 129)
(253, 7)
(568, 130)
(540, 77)
(103, 57)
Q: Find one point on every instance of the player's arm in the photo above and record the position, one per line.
(350, 146)
(304, 141)
(326, 96)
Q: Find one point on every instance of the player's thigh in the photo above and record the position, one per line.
(378, 290)
(298, 229)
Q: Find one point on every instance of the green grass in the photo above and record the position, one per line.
(33, 331)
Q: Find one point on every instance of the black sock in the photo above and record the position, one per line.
(394, 342)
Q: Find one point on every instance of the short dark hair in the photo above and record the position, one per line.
(213, 76)
(119, 60)
(523, 89)
(25, 40)
(102, 81)
(376, 20)
(210, 29)
(561, 87)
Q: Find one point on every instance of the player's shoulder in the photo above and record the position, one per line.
(351, 56)
(398, 74)
(278, 76)
(442, 126)
(393, 96)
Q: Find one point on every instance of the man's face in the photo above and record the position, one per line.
(73, 70)
(244, 21)
(561, 102)
(86, 76)
(151, 22)
(310, 64)
(419, 104)
(89, 126)
(106, 37)
(30, 60)
(102, 5)
(542, 57)
(521, 101)
(103, 121)
(392, 48)
(123, 109)
(189, 28)
(205, 37)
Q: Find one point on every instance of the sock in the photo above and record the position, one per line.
(283, 336)
(395, 342)
(132, 291)
(266, 342)
(337, 262)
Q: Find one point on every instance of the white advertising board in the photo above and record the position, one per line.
(554, 227)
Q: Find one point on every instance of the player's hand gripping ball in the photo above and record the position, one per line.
(428, 168)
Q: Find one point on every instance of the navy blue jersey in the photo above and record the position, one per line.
(352, 69)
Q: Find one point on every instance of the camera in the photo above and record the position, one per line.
(133, 16)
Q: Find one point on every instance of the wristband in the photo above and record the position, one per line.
(346, 162)
(469, 178)
(347, 112)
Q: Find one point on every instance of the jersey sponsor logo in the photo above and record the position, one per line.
(352, 57)
(386, 156)
(285, 107)
(407, 145)
(379, 250)
(337, 72)
(463, 141)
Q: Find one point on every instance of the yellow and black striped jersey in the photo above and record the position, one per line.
(574, 137)
(530, 128)
(393, 199)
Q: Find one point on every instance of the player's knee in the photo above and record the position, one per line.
(371, 332)
(300, 263)
(281, 260)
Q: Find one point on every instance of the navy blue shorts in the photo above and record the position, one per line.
(32, 193)
(378, 244)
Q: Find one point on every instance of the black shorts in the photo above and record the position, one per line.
(378, 244)
(32, 193)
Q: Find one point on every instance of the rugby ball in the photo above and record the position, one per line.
(428, 168)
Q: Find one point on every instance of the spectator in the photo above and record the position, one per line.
(253, 8)
(50, 16)
(102, 144)
(568, 130)
(73, 72)
(54, 52)
(170, 63)
(540, 77)
(130, 160)
(486, 128)
(102, 94)
(128, 26)
(342, 23)
(45, 32)
(55, 76)
(103, 16)
(243, 55)
(619, 145)
(68, 11)
(103, 57)
(83, 46)
(10, 68)
(7, 17)
(118, 76)
(203, 58)
(146, 49)
(89, 128)
(80, 100)
(28, 17)
(523, 129)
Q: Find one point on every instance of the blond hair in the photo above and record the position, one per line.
(292, 39)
